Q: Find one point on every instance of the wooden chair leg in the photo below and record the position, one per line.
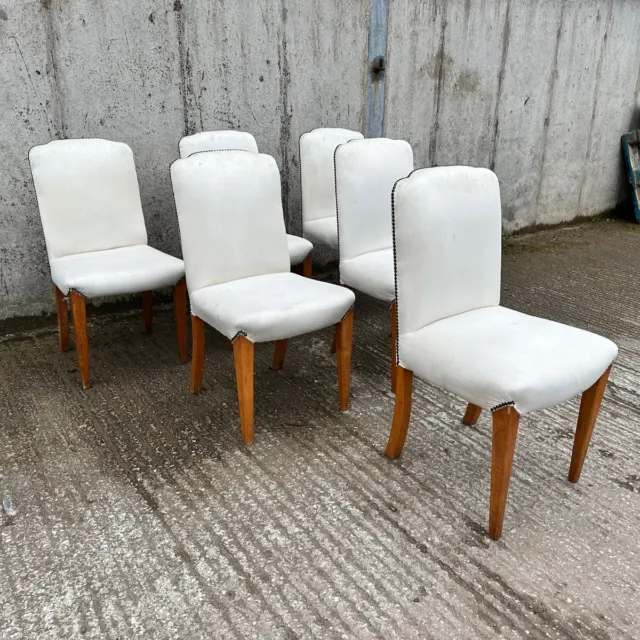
(394, 339)
(79, 312)
(589, 407)
(243, 355)
(197, 354)
(279, 354)
(344, 339)
(505, 430)
(63, 319)
(472, 414)
(147, 311)
(401, 414)
(180, 309)
(307, 266)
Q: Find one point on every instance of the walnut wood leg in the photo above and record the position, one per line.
(243, 356)
(147, 311)
(79, 312)
(472, 414)
(589, 407)
(394, 339)
(344, 340)
(63, 319)
(307, 266)
(505, 429)
(401, 414)
(197, 354)
(279, 354)
(180, 309)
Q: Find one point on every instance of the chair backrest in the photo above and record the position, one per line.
(88, 196)
(217, 141)
(447, 228)
(230, 215)
(366, 171)
(317, 177)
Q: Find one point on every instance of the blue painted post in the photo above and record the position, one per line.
(377, 67)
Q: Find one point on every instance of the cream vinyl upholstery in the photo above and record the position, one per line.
(452, 330)
(235, 249)
(299, 248)
(317, 182)
(89, 203)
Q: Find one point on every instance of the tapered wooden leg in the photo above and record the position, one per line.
(589, 407)
(307, 266)
(147, 311)
(63, 319)
(279, 355)
(394, 339)
(180, 309)
(197, 354)
(344, 339)
(505, 429)
(79, 312)
(243, 356)
(472, 414)
(401, 414)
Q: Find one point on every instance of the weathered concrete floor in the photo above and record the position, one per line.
(139, 511)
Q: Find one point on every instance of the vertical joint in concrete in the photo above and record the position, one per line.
(377, 68)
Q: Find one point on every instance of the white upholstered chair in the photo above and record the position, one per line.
(96, 238)
(453, 332)
(227, 140)
(365, 172)
(318, 185)
(238, 273)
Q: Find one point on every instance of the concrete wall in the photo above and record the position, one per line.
(540, 91)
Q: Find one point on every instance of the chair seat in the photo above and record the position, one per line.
(371, 273)
(323, 231)
(116, 271)
(271, 307)
(495, 356)
(299, 249)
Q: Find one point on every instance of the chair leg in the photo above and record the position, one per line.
(394, 339)
(147, 311)
(344, 339)
(63, 319)
(243, 356)
(79, 312)
(589, 407)
(197, 354)
(401, 414)
(180, 309)
(505, 429)
(279, 354)
(307, 266)
(472, 414)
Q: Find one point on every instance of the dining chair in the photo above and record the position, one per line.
(318, 185)
(453, 332)
(89, 201)
(225, 140)
(238, 272)
(365, 172)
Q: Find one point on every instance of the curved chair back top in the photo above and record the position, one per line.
(230, 215)
(217, 141)
(317, 177)
(447, 233)
(88, 196)
(366, 171)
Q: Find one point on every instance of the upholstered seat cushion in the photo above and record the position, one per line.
(493, 356)
(371, 273)
(271, 307)
(322, 231)
(116, 271)
(299, 248)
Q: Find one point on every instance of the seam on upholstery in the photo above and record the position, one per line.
(301, 194)
(348, 311)
(502, 405)
(335, 188)
(214, 151)
(239, 333)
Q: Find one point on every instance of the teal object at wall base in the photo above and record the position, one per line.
(631, 151)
